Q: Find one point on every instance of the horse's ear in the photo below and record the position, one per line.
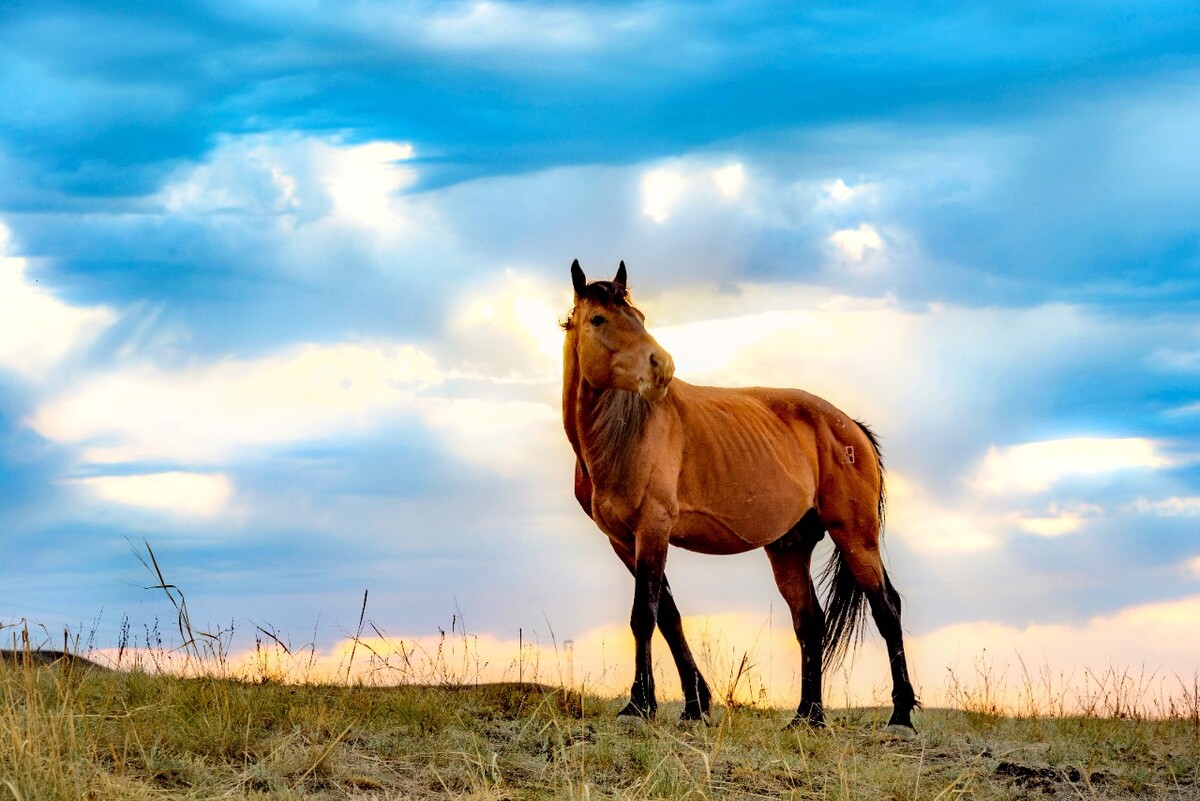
(578, 280)
(621, 280)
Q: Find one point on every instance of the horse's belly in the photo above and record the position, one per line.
(720, 533)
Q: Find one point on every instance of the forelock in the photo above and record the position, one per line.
(606, 293)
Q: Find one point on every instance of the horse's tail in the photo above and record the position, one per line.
(845, 601)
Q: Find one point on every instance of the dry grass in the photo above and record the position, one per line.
(176, 722)
(71, 731)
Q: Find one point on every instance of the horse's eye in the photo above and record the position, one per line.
(597, 320)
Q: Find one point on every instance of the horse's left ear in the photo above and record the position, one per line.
(621, 280)
(578, 280)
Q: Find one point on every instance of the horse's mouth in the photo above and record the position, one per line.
(653, 392)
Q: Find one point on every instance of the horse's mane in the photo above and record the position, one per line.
(618, 418)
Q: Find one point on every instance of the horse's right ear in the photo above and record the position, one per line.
(578, 280)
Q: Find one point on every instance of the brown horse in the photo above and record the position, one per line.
(721, 471)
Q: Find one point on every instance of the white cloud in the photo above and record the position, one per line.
(838, 192)
(37, 330)
(176, 492)
(1174, 506)
(503, 436)
(667, 188)
(508, 329)
(1055, 526)
(1036, 466)
(204, 414)
(856, 243)
(294, 175)
(661, 188)
(502, 25)
(362, 180)
(730, 180)
(927, 525)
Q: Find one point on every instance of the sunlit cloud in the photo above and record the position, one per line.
(1056, 526)
(1036, 466)
(510, 437)
(509, 328)
(926, 524)
(730, 180)
(205, 414)
(36, 329)
(291, 174)
(363, 179)
(708, 347)
(856, 244)
(666, 188)
(661, 188)
(176, 492)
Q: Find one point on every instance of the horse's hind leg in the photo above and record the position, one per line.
(791, 559)
(697, 697)
(858, 550)
(885, 608)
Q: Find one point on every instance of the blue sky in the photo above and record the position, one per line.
(280, 286)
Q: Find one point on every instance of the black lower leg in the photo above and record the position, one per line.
(642, 621)
(697, 698)
(810, 712)
(885, 608)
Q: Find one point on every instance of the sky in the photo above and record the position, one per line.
(280, 286)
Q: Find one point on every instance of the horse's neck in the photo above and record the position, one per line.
(603, 426)
(571, 389)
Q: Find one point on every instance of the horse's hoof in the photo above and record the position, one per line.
(694, 720)
(799, 722)
(634, 712)
(899, 731)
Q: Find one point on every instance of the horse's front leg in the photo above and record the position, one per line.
(650, 561)
(696, 695)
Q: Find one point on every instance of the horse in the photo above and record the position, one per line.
(661, 462)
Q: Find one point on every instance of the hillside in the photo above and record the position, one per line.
(72, 731)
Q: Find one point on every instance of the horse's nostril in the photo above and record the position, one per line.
(654, 360)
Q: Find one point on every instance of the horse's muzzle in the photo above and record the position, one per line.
(662, 370)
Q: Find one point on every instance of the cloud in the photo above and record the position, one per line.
(839, 192)
(1036, 466)
(206, 414)
(855, 243)
(931, 525)
(1173, 506)
(665, 188)
(174, 493)
(493, 25)
(37, 331)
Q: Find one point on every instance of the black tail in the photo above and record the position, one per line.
(845, 601)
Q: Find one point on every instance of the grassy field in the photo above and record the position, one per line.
(72, 731)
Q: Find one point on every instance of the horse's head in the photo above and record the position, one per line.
(612, 347)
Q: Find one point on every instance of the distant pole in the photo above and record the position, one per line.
(569, 645)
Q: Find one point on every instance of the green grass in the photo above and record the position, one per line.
(75, 732)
